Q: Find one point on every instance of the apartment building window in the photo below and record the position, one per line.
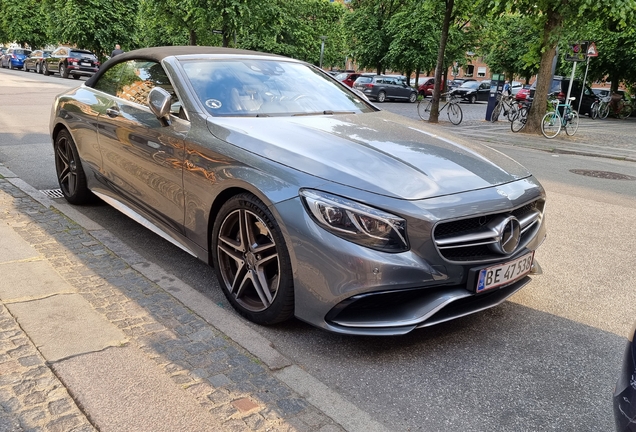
(481, 71)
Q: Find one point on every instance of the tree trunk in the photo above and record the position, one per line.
(434, 118)
(549, 43)
(193, 37)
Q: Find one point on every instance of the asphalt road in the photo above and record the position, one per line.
(545, 360)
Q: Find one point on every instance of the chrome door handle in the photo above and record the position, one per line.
(112, 112)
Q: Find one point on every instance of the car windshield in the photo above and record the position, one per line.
(21, 51)
(470, 85)
(253, 87)
(342, 76)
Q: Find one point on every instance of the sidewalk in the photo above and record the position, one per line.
(609, 138)
(92, 337)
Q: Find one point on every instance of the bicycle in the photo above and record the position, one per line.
(552, 121)
(508, 105)
(454, 111)
(519, 122)
(621, 108)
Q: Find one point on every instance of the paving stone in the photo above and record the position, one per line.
(213, 369)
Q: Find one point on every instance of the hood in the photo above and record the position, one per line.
(378, 152)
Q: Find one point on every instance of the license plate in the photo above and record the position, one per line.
(502, 274)
(85, 64)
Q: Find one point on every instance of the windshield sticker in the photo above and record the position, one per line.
(213, 103)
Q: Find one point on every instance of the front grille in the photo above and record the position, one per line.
(470, 239)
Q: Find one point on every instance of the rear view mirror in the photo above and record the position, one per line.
(159, 103)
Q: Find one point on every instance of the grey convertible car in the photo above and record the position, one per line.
(308, 200)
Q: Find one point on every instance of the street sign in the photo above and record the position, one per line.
(577, 52)
(591, 50)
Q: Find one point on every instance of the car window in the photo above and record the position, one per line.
(342, 76)
(109, 81)
(470, 85)
(81, 54)
(267, 87)
(363, 80)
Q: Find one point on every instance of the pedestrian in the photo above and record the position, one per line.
(116, 51)
(506, 88)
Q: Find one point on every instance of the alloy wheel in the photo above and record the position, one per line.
(248, 260)
(66, 166)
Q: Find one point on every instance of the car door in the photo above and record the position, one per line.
(51, 63)
(142, 160)
(483, 91)
(402, 89)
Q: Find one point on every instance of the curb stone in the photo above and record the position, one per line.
(226, 380)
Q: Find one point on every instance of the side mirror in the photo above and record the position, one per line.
(159, 103)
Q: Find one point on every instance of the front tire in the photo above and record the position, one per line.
(594, 111)
(424, 109)
(472, 99)
(38, 68)
(69, 170)
(494, 116)
(251, 261)
(45, 69)
(551, 124)
(413, 97)
(381, 97)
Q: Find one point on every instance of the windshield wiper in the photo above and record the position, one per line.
(326, 112)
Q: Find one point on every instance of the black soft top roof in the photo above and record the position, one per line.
(157, 54)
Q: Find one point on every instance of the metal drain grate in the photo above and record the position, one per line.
(603, 174)
(53, 193)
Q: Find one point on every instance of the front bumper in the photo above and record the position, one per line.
(346, 288)
(625, 394)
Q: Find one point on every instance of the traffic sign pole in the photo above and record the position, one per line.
(584, 81)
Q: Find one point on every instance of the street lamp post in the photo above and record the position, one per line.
(322, 48)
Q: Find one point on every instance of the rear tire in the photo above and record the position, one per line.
(45, 69)
(69, 170)
(572, 124)
(519, 122)
(455, 113)
(63, 71)
(381, 97)
(38, 68)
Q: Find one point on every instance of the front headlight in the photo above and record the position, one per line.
(356, 222)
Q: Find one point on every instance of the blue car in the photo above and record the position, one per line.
(625, 392)
(14, 58)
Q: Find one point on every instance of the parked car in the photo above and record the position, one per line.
(604, 92)
(625, 390)
(71, 62)
(452, 84)
(560, 86)
(384, 87)
(515, 86)
(34, 61)
(306, 199)
(523, 94)
(348, 78)
(14, 58)
(473, 91)
(427, 87)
